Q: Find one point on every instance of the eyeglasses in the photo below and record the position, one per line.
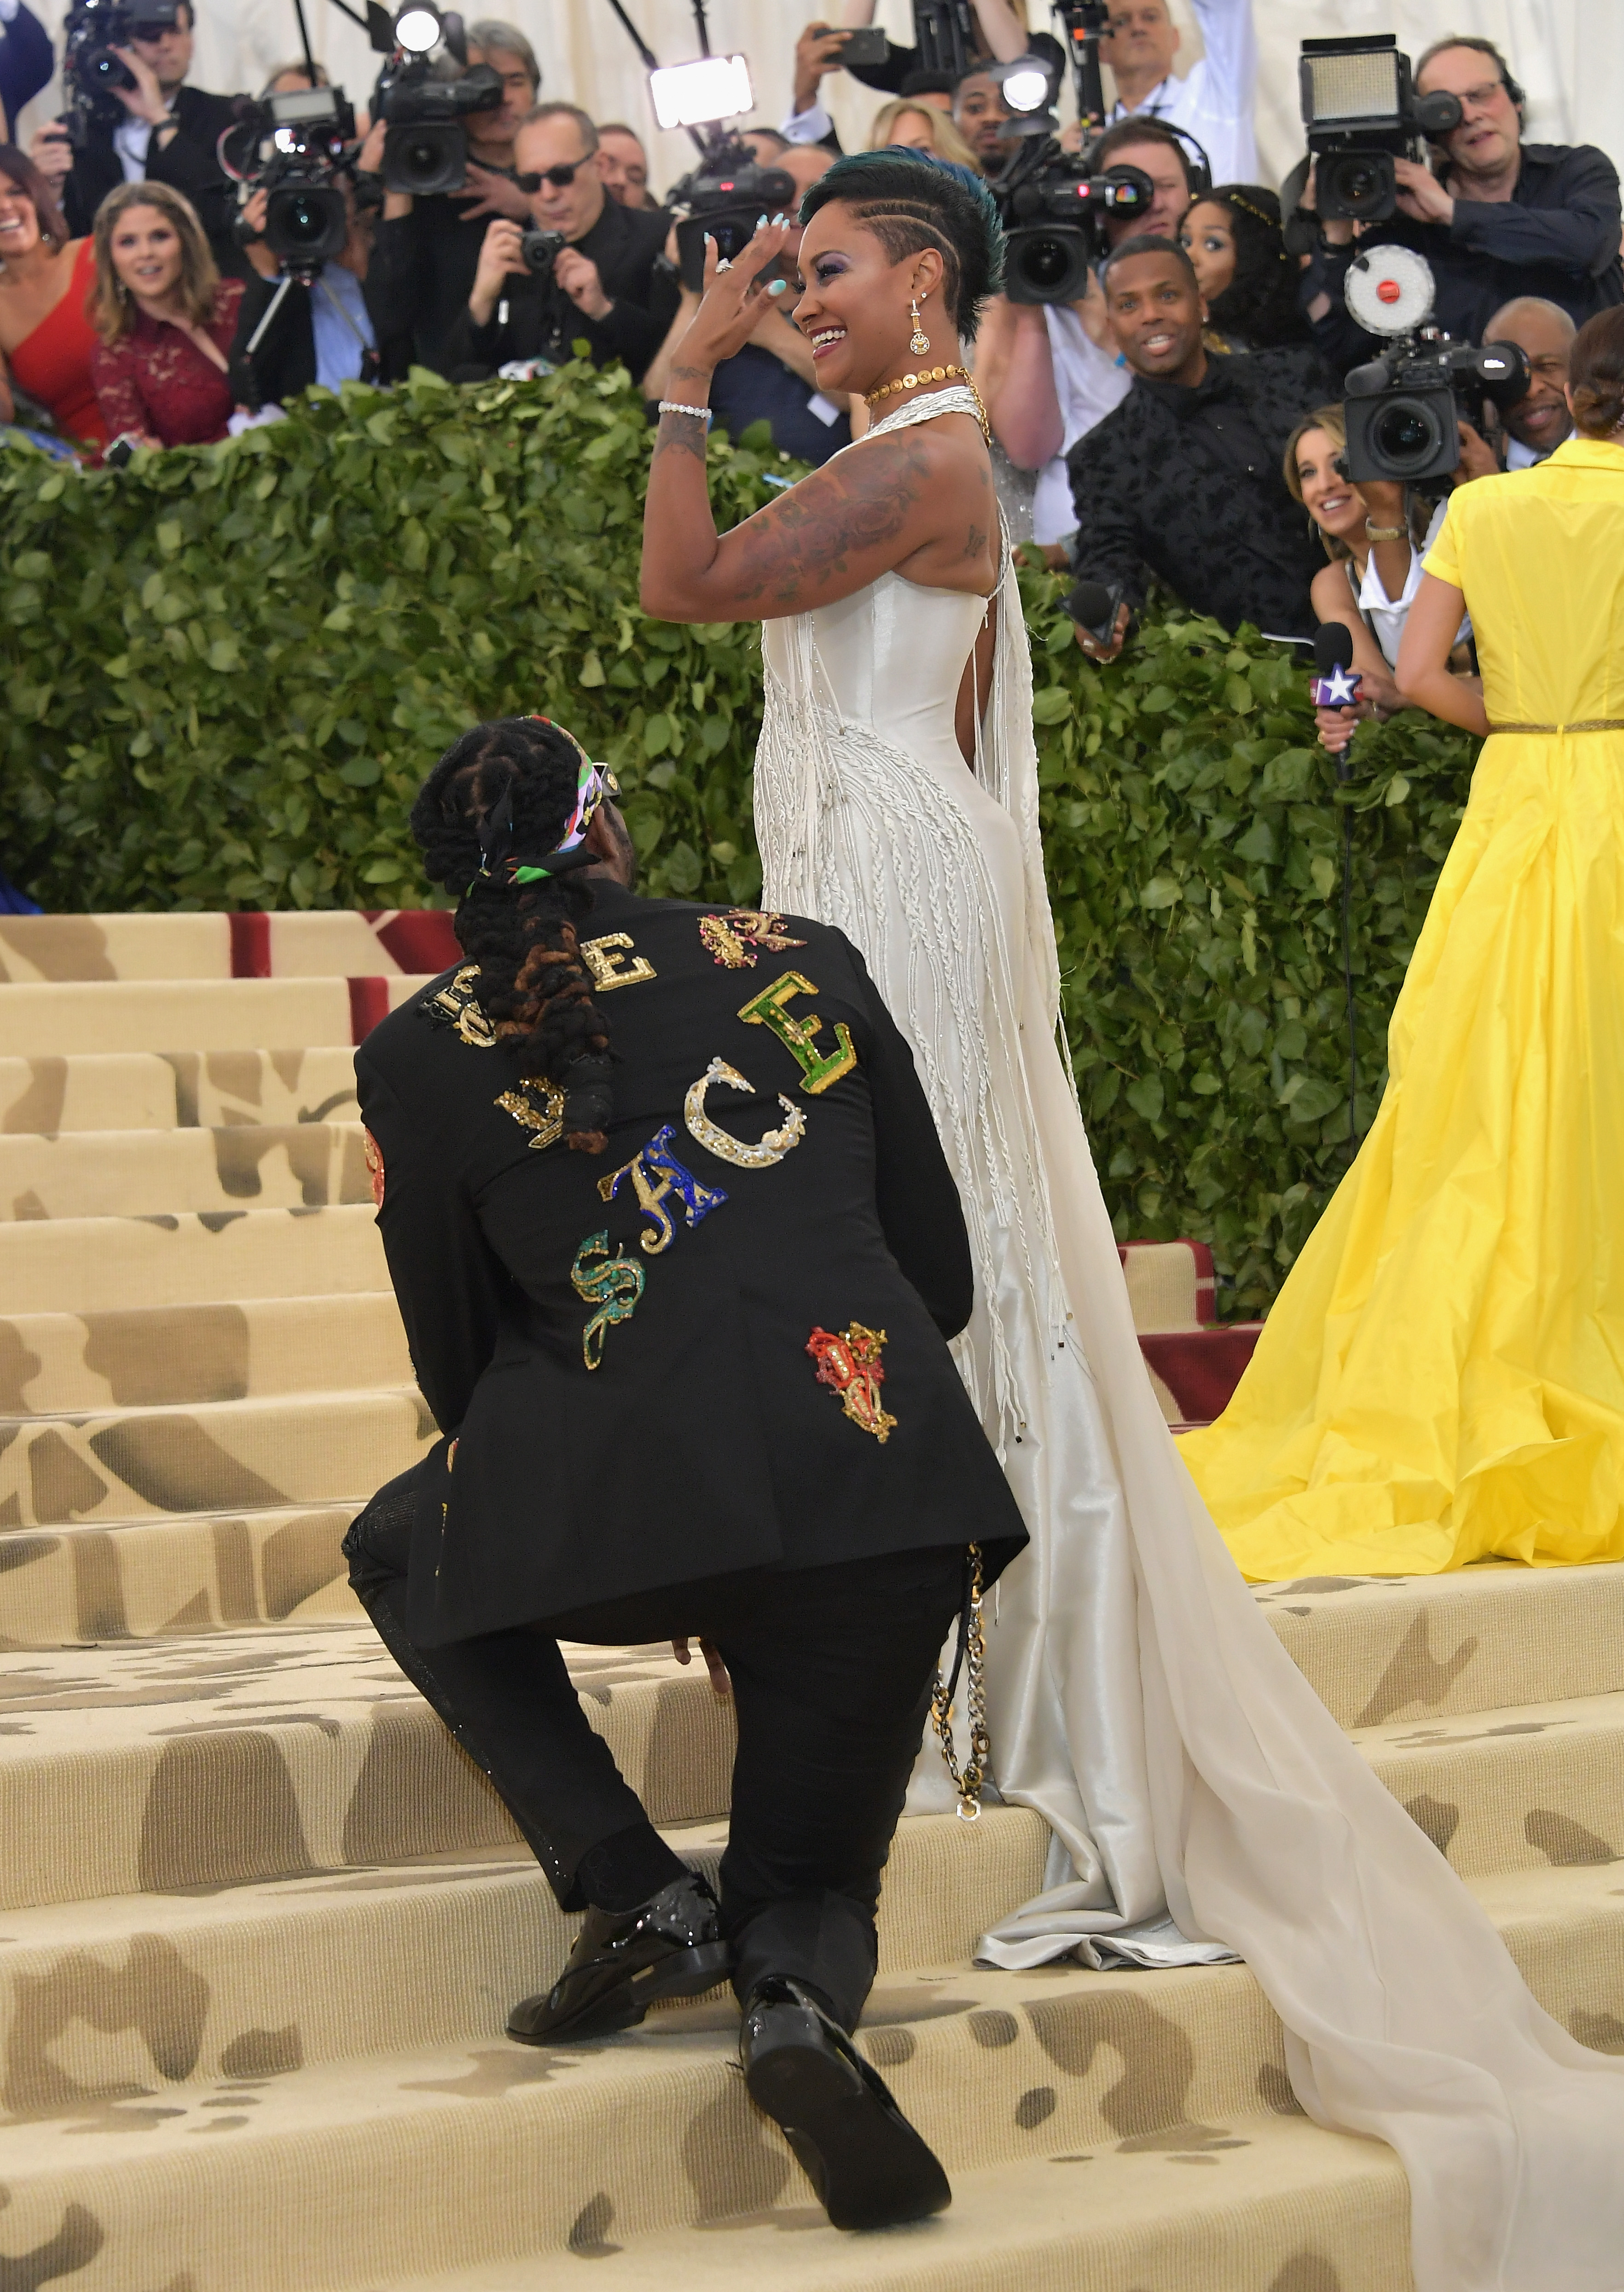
(562, 176)
(1482, 98)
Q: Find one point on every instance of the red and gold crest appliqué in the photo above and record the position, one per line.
(850, 1364)
(375, 1168)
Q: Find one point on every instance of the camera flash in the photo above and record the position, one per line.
(417, 29)
(695, 94)
(1026, 86)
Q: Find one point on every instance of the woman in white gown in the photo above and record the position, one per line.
(1201, 1800)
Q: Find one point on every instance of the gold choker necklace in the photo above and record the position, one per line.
(935, 374)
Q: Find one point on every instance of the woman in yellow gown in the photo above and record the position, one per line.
(1441, 1379)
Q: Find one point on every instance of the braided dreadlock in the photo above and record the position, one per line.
(515, 781)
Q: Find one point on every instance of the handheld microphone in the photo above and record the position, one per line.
(1094, 606)
(1337, 684)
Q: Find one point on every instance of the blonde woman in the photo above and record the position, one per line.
(920, 127)
(167, 319)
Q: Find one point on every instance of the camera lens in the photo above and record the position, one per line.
(1405, 434)
(1359, 185)
(303, 223)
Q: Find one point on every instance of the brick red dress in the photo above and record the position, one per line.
(53, 364)
(154, 379)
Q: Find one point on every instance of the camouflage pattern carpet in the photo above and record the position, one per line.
(261, 1922)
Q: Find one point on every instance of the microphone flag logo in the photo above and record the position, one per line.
(1339, 690)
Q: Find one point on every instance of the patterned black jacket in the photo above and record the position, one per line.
(1158, 490)
(657, 1360)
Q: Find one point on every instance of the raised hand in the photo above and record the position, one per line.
(731, 306)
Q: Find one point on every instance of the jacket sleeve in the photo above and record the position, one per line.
(1580, 234)
(634, 330)
(920, 1213)
(189, 162)
(1107, 547)
(448, 1283)
(27, 61)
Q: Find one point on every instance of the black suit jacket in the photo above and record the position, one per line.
(1557, 237)
(1157, 493)
(421, 276)
(627, 245)
(703, 1441)
(189, 164)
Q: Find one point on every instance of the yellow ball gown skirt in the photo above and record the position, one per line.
(1442, 1377)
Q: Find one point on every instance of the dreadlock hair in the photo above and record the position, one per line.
(912, 200)
(533, 985)
(1259, 308)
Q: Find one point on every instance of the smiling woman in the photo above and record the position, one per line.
(167, 320)
(46, 339)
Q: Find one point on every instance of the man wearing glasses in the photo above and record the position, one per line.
(1496, 219)
(607, 285)
(169, 135)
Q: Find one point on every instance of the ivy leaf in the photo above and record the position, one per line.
(1323, 873)
(1161, 891)
(1146, 1097)
(1052, 705)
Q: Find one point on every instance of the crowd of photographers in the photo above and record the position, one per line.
(1259, 397)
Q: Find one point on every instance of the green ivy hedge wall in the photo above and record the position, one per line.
(226, 671)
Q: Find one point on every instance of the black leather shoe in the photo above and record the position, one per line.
(670, 1946)
(868, 2166)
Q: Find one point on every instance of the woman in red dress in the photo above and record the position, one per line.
(167, 319)
(46, 341)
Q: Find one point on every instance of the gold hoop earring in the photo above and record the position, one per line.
(918, 342)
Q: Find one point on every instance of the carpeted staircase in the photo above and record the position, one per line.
(259, 1922)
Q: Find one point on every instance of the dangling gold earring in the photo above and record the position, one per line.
(918, 342)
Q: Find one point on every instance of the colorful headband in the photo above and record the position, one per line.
(593, 783)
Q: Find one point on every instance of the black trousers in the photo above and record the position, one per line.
(831, 1670)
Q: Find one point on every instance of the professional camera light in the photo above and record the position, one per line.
(1026, 84)
(418, 28)
(700, 93)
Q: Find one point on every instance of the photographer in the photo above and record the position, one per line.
(1538, 424)
(1495, 217)
(1000, 37)
(1184, 478)
(624, 165)
(607, 283)
(170, 136)
(324, 331)
(1054, 369)
(1216, 101)
(427, 250)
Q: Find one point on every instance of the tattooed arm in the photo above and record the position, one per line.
(916, 501)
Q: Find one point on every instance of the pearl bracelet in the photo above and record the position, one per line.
(670, 406)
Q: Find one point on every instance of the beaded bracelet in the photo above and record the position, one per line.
(670, 406)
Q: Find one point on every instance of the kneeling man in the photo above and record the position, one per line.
(678, 1255)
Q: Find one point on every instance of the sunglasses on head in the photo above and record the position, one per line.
(562, 176)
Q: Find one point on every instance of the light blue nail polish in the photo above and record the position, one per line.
(761, 223)
(779, 287)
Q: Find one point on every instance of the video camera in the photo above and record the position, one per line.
(426, 149)
(1362, 112)
(1054, 210)
(723, 197)
(293, 147)
(91, 71)
(1403, 409)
